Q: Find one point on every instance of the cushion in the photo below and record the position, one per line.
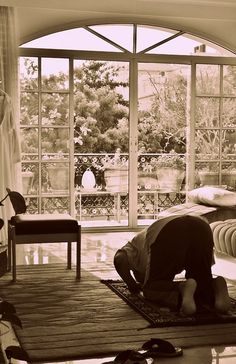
(44, 223)
(187, 208)
(213, 196)
(224, 235)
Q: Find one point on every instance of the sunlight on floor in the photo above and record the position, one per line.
(97, 256)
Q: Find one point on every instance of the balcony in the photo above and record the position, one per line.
(94, 202)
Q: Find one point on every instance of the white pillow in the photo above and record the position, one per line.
(212, 196)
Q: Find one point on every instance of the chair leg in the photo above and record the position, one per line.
(78, 255)
(69, 255)
(13, 259)
(9, 250)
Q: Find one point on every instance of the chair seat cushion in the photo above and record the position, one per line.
(44, 223)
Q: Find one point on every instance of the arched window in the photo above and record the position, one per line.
(133, 96)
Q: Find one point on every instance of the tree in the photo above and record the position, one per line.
(162, 128)
(100, 110)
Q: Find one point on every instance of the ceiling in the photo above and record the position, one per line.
(211, 19)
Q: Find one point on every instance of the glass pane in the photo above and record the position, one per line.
(188, 44)
(162, 94)
(55, 73)
(120, 34)
(207, 173)
(55, 177)
(228, 113)
(28, 73)
(148, 36)
(77, 39)
(29, 141)
(229, 175)
(33, 205)
(55, 141)
(207, 144)
(30, 178)
(55, 205)
(229, 144)
(207, 112)
(82, 39)
(208, 79)
(55, 109)
(29, 108)
(101, 140)
(229, 80)
(162, 121)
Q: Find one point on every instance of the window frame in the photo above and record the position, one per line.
(134, 59)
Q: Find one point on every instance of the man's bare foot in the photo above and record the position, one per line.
(222, 300)
(187, 290)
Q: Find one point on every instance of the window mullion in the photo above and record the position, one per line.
(133, 159)
(71, 136)
(220, 123)
(191, 105)
(40, 131)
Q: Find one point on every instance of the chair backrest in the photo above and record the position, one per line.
(18, 201)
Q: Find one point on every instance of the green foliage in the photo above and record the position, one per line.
(171, 160)
(117, 161)
(163, 127)
(101, 112)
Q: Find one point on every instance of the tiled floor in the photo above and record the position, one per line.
(97, 255)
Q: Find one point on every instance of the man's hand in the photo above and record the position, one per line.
(123, 269)
(135, 288)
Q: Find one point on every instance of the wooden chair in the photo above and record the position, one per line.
(41, 228)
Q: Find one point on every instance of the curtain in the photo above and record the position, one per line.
(9, 113)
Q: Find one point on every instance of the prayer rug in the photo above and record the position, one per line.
(163, 316)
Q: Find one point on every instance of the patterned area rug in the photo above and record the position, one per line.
(163, 316)
(65, 319)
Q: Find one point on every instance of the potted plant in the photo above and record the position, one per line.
(147, 178)
(229, 175)
(57, 172)
(115, 172)
(170, 169)
(27, 181)
(208, 173)
(217, 152)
